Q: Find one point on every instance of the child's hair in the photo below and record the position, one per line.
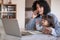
(50, 20)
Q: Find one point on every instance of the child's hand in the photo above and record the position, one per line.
(47, 30)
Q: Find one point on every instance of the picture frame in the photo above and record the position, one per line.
(1, 1)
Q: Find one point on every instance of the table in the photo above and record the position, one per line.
(38, 36)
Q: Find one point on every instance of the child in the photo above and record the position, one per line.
(46, 22)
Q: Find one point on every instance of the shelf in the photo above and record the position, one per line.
(8, 11)
(9, 15)
(9, 4)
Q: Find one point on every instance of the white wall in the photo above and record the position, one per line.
(55, 7)
(20, 12)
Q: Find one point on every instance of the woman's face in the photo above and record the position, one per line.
(40, 9)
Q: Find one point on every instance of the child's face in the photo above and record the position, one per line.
(44, 22)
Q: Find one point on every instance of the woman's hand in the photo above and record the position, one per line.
(37, 22)
(47, 30)
(34, 14)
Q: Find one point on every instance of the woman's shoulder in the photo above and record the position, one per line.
(51, 14)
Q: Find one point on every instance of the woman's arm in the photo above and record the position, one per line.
(30, 25)
(38, 27)
(57, 26)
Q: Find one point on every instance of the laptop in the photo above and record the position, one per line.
(11, 27)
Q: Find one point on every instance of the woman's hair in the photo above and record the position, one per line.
(50, 20)
(43, 4)
(34, 5)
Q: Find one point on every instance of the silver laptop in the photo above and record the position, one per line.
(11, 27)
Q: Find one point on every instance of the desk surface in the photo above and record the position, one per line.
(38, 36)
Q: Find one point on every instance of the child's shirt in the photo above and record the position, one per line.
(39, 28)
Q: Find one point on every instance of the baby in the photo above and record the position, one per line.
(45, 23)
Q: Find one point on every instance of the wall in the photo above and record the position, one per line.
(28, 3)
(55, 7)
(20, 12)
(28, 14)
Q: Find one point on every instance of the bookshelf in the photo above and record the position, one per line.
(8, 11)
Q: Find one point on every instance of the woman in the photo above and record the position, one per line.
(41, 8)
